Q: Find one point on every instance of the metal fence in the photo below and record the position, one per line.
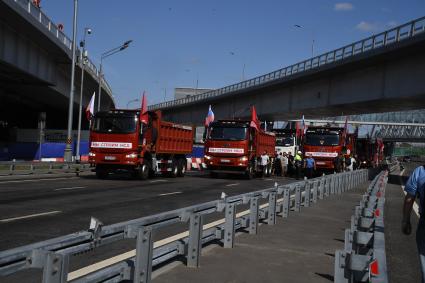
(363, 258)
(18, 168)
(386, 38)
(36, 13)
(52, 256)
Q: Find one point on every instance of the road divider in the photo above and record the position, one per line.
(363, 258)
(264, 205)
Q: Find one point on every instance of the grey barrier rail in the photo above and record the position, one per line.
(363, 258)
(386, 38)
(52, 256)
(36, 13)
(23, 168)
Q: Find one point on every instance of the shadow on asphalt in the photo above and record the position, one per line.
(326, 276)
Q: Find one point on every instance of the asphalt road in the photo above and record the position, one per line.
(39, 209)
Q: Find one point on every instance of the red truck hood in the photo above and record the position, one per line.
(113, 142)
(226, 148)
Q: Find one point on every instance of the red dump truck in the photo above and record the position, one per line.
(119, 141)
(233, 146)
(325, 143)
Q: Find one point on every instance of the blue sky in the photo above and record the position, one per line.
(177, 42)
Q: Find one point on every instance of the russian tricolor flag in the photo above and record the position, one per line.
(210, 117)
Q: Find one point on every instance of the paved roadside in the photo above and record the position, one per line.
(402, 255)
(297, 249)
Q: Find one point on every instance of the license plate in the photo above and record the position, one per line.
(225, 160)
(320, 163)
(110, 157)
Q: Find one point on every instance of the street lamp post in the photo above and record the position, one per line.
(83, 58)
(133, 100)
(68, 149)
(104, 56)
(312, 39)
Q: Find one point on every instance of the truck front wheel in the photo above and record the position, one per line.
(181, 168)
(249, 174)
(174, 169)
(143, 171)
(101, 173)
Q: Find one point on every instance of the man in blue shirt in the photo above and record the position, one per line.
(415, 186)
(309, 166)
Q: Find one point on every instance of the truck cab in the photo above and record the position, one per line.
(325, 144)
(233, 146)
(119, 141)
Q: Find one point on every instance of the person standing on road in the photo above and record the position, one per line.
(278, 164)
(309, 166)
(264, 162)
(298, 164)
(285, 163)
(290, 164)
(415, 186)
(350, 163)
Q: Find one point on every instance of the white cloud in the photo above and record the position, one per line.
(343, 6)
(365, 26)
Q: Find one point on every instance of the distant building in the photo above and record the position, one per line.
(183, 92)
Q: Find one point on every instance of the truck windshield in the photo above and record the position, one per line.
(115, 124)
(285, 141)
(228, 133)
(319, 139)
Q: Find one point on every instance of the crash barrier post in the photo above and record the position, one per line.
(363, 257)
(52, 256)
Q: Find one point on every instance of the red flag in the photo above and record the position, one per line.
(144, 118)
(297, 129)
(255, 123)
(90, 108)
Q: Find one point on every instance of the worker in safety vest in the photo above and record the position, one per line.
(415, 187)
(298, 160)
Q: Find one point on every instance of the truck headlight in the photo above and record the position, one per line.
(131, 155)
(92, 154)
(207, 157)
(243, 158)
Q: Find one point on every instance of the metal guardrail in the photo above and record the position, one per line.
(44, 21)
(363, 258)
(386, 38)
(18, 169)
(52, 256)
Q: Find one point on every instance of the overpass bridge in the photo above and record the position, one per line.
(401, 126)
(35, 69)
(381, 73)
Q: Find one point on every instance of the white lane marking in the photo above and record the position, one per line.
(167, 194)
(70, 188)
(29, 216)
(268, 179)
(36, 180)
(110, 261)
(158, 181)
(231, 185)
